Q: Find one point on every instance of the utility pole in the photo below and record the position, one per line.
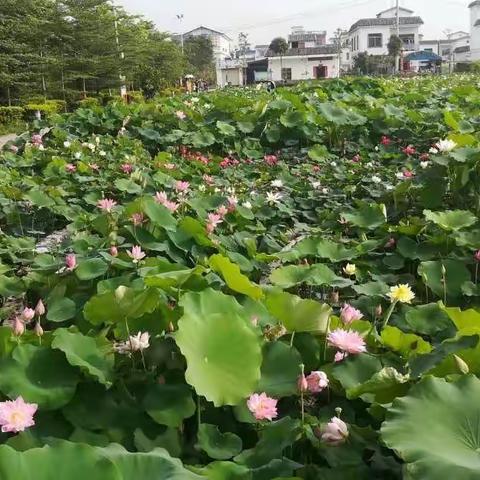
(121, 54)
(397, 26)
(338, 41)
(243, 45)
(180, 19)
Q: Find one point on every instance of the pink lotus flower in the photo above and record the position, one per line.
(385, 141)
(356, 158)
(348, 314)
(302, 384)
(172, 206)
(222, 210)
(408, 174)
(213, 220)
(17, 415)
(390, 243)
(232, 204)
(170, 166)
(340, 356)
(262, 406)
(37, 140)
(40, 308)
(208, 179)
(114, 251)
(161, 198)
(137, 219)
(136, 254)
(180, 115)
(347, 341)
(126, 168)
(94, 167)
(14, 148)
(182, 186)
(409, 150)
(336, 432)
(71, 261)
(70, 168)
(106, 204)
(317, 381)
(18, 327)
(28, 314)
(225, 163)
(271, 160)
(424, 157)
(476, 256)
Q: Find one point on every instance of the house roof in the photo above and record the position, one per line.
(201, 27)
(394, 8)
(373, 22)
(423, 56)
(477, 23)
(306, 37)
(474, 4)
(464, 49)
(302, 52)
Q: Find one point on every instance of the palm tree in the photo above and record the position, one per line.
(279, 46)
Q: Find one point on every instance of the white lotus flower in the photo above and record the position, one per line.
(333, 164)
(247, 205)
(400, 175)
(202, 188)
(316, 185)
(78, 155)
(446, 146)
(424, 164)
(274, 197)
(277, 184)
(325, 190)
(376, 179)
(66, 144)
(433, 151)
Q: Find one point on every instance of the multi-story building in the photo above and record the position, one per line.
(371, 35)
(453, 49)
(475, 30)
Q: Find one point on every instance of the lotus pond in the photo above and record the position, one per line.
(245, 286)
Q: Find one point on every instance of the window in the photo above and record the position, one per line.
(446, 52)
(294, 44)
(348, 56)
(408, 40)
(375, 40)
(286, 74)
(428, 50)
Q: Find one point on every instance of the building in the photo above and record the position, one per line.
(222, 43)
(474, 30)
(453, 49)
(371, 35)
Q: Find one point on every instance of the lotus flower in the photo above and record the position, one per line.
(70, 261)
(262, 406)
(385, 141)
(40, 308)
(137, 219)
(274, 198)
(106, 204)
(401, 293)
(336, 432)
(271, 160)
(446, 146)
(213, 220)
(182, 186)
(180, 115)
(70, 168)
(348, 314)
(350, 269)
(161, 197)
(347, 341)
(317, 381)
(409, 150)
(17, 415)
(127, 168)
(28, 314)
(113, 251)
(277, 184)
(18, 327)
(136, 254)
(476, 256)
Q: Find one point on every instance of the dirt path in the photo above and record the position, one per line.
(6, 138)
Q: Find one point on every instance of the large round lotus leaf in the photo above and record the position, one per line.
(73, 461)
(436, 429)
(218, 445)
(222, 349)
(456, 275)
(39, 375)
(452, 219)
(169, 404)
(94, 356)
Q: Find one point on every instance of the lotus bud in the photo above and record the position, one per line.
(18, 327)
(120, 292)
(338, 411)
(461, 365)
(40, 308)
(444, 270)
(378, 311)
(28, 314)
(302, 383)
(113, 251)
(38, 329)
(171, 327)
(476, 256)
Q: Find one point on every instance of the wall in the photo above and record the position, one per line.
(475, 33)
(230, 76)
(302, 68)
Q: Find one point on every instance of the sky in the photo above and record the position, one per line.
(263, 20)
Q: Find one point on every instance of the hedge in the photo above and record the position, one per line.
(11, 114)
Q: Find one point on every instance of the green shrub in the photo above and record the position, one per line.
(11, 114)
(47, 108)
(88, 102)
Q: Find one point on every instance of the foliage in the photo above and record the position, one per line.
(226, 243)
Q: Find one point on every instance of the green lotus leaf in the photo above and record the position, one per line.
(90, 269)
(169, 405)
(225, 471)
(466, 321)
(225, 128)
(429, 320)
(356, 370)
(219, 446)
(456, 275)
(222, 350)
(61, 310)
(292, 119)
(280, 370)
(372, 289)
(169, 440)
(202, 138)
(94, 356)
(159, 214)
(367, 216)
(451, 220)
(298, 314)
(39, 198)
(406, 344)
(40, 375)
(334, 251)
(435, 449)
(315, 275)
(318, 153)
(234, 278)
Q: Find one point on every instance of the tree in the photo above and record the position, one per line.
(279, 46)
(199, 57)
(394, 48)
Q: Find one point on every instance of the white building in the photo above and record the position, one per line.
(453, 49)
(475, 30)
(222, 43)
(371, 35)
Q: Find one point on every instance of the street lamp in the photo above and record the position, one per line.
(180, 19)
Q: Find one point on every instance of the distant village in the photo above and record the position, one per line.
(312, 55)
